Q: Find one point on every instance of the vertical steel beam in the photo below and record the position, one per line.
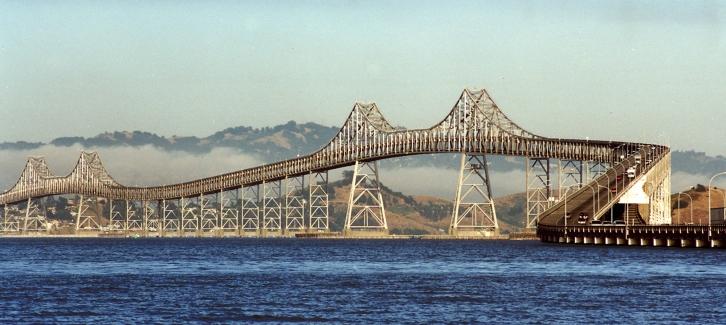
(538, 188)
(473, 211)
(366, 212)
(318, 201)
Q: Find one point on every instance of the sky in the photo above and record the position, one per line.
(650, 71)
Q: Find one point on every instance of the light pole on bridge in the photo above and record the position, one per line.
(689, 204)
(709, 201)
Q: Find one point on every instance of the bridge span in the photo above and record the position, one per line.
(291, 196)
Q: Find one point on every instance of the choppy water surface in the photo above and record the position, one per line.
(403, 281)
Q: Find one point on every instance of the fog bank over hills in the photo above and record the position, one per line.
(143, 158)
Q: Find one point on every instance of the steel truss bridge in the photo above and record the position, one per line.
(291, 196)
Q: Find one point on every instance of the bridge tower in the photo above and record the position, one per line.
(318, 201)
(366, 215)
(473, 212)
(539, 189)
(250, 209)
(294, 204)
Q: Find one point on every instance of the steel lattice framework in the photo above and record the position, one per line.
(475, 126)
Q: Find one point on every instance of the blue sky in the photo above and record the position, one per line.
(626, 70)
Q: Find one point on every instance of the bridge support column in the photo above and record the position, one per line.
(660, 202)
(272, 208)
(672, 242)
(610, 241)
(170, 219)
(620, 241)
(189, 220)
(134, 222)
(569, 175)
(686, 242)
(716, 243)
(318, 201)
(228, 212)
(34, 220)
(250, 209)
(366, 215)
(700, 243)
(633, 242)
(294, 205)
(658, 242)
(152, 224)
(538, 187)
(84, 219)
(115, 219)
(208, 214)
(473, 212)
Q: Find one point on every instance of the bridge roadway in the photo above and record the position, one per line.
(555, 227)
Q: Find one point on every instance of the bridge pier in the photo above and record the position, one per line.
(686, 242)
(228, 213)
(716, 243)
(189, 219)
(700, 243)
(170, 219)
(152, 224)
(633, 242)
(599, 240)
(85, 221)
(672, 242)
(473, 211)
(588, 240)
(250, 219)
(272, 208)
(294, 205)
(610, 241)
(620, 241)
(318, 201)
(538, 188)
(366, 215)
(208, 213)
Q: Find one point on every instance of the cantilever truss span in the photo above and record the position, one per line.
(475, 126)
